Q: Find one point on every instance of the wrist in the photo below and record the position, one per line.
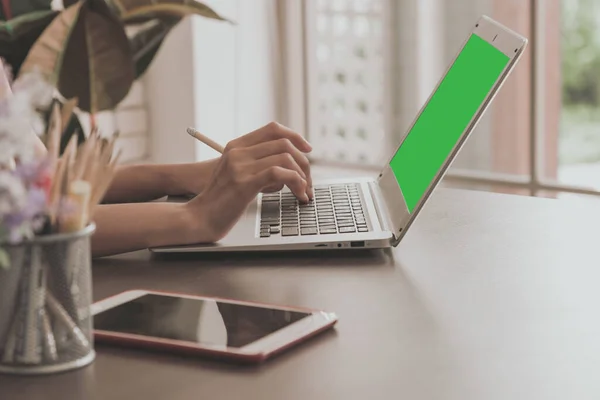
(196, 221)
(185, 179)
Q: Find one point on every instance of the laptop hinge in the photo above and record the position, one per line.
(382, 212)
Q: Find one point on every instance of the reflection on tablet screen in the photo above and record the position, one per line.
(195, 320)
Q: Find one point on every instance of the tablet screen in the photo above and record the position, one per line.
(200, 321)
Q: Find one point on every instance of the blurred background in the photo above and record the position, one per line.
(351, 75)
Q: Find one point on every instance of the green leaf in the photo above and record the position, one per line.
(146, 43)
(139, 11)
(48, 51)
(23, 7)
(86, 53)
(18, 35)
(4, 259)
(99, 48)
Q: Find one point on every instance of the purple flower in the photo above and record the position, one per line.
(22, 206)
(13, 194)
(32, 171)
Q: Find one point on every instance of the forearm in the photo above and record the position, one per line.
(139, 183)
(122, 228)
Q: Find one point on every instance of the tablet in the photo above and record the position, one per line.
(205, 326)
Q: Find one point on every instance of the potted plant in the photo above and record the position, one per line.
(47, 204)
(84, 55)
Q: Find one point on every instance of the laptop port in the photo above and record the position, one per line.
(357, 244)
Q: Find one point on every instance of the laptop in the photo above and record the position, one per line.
(377, 212)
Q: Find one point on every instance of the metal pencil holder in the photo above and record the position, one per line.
(45, 304)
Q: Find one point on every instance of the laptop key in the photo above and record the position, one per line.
(328, 231)
(346, 225)
(349, 229)
(343, 210)
(289, 231)
(308, 231)
(275, 230)
(326, 220)
(363, 229)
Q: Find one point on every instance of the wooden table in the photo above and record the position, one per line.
(488, 297)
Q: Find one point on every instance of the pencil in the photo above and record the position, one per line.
(207, 141)
(64, 319)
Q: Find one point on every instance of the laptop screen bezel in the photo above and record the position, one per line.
(503, 39)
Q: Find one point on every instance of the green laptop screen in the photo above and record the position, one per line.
(448, 113)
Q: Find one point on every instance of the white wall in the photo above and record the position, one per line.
(214, 76)
(170, 96)
(418, 37)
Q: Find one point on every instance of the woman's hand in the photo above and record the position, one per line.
(190, 179)
(264, 160)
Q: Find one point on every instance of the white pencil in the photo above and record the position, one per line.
(207, 141)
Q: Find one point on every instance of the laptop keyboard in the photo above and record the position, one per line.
(335, 209)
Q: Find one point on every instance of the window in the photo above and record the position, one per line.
(372, 63)
(346, 70)
(579, 134)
